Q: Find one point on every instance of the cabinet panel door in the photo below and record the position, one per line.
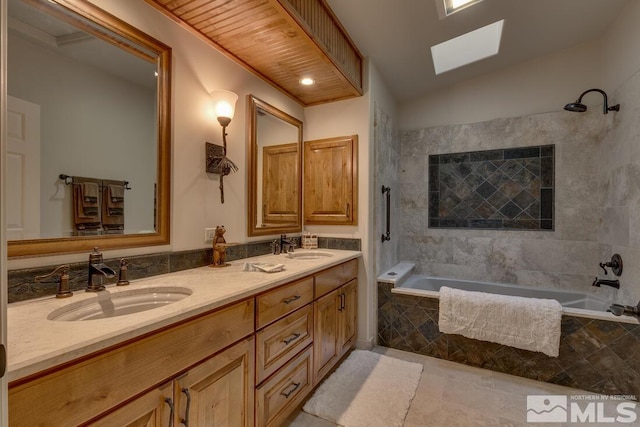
(326, 335)
(279, 187)
(348, 315)
(330, 181)
(219, 391)
(152, 409)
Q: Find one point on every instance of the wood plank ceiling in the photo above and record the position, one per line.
(281, 41)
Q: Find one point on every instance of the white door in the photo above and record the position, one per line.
(23, 169)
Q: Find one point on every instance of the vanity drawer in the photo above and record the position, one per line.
(284, 391)
(281, 301)
(334, 277)
(280, 341)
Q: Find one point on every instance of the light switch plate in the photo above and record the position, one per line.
(209, 234)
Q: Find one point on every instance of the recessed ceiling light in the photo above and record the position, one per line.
(453, 6)
(467, 48)
(307, 81)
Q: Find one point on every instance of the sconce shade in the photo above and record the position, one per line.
(224, 105)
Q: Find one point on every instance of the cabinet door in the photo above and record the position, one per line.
(326, 335)
(348, 315)
(219, 391)
(330, 181)
(280, 198)
(153, 409)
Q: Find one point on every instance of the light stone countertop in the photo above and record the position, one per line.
(36, 343)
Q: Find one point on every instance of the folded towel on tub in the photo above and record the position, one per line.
(527, 323)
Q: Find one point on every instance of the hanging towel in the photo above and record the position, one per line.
(527, 323)
(90, 192)
(86, 215)
(113, 207)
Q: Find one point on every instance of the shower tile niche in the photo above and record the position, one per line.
(504, 189)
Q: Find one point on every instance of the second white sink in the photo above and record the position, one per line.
(105, 304)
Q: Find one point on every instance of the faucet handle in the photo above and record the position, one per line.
(123, 276)
(63, 284)
(95, 256)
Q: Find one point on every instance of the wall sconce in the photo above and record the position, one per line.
(224, 105)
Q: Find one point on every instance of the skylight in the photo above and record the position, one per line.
(453, 6)
(467, 48)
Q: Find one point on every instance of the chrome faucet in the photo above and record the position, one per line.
(98, 271)
(282, 245)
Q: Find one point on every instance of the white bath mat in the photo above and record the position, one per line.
(368, 389)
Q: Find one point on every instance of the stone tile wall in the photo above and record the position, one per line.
(506, 189)
(595, 355)
(22, 286)
(566, 257)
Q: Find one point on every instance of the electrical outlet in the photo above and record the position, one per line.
(209, 234)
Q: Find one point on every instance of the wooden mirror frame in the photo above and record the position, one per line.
(253, 104)
(78, 12)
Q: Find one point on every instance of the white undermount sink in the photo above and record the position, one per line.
(106, 304)
(309, 255)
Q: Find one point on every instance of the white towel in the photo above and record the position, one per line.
(526, 323)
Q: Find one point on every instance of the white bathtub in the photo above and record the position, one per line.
(574, 303)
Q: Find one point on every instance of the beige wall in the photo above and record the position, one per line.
(197, 69)
(540, 85)
(349, 117)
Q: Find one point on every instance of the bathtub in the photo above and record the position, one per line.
(415, 284)
(408, 317)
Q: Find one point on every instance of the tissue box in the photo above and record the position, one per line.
(309, 241)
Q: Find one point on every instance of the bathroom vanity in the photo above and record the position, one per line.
(243, 349)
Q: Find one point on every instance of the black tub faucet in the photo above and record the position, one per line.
(613, 283)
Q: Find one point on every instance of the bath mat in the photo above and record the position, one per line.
(368, 389)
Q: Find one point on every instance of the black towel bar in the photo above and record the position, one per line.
(387, 236)
(68, 180)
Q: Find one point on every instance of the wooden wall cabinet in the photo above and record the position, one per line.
(331, 181)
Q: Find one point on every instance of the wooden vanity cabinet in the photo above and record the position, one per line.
(331, 181)
(335, 315)
(252, 362)
(80, 391)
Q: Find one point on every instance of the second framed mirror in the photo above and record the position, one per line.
(275, 170)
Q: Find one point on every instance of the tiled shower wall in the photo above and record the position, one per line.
(619, 178)
(566, 257)
(387, 155)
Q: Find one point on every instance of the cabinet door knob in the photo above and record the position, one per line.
(169, 402)
(286, 394)
(185, 420)
(291, 338)
(292, 299)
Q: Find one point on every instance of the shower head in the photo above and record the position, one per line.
(579, 107)
(576, 107)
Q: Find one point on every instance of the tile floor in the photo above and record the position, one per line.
(451, 394)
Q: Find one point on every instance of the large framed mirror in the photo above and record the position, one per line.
(88, 100)
(275, 170)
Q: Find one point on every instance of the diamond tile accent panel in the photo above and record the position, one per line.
(508, 189)
(595, 355)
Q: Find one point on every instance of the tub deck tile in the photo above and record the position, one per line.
(595, 355)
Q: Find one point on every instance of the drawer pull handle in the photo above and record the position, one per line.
(292, 299)
(169, 402)
(286, 394)
(291, 338)
(185, 420)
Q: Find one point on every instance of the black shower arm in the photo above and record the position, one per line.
(605, 106)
